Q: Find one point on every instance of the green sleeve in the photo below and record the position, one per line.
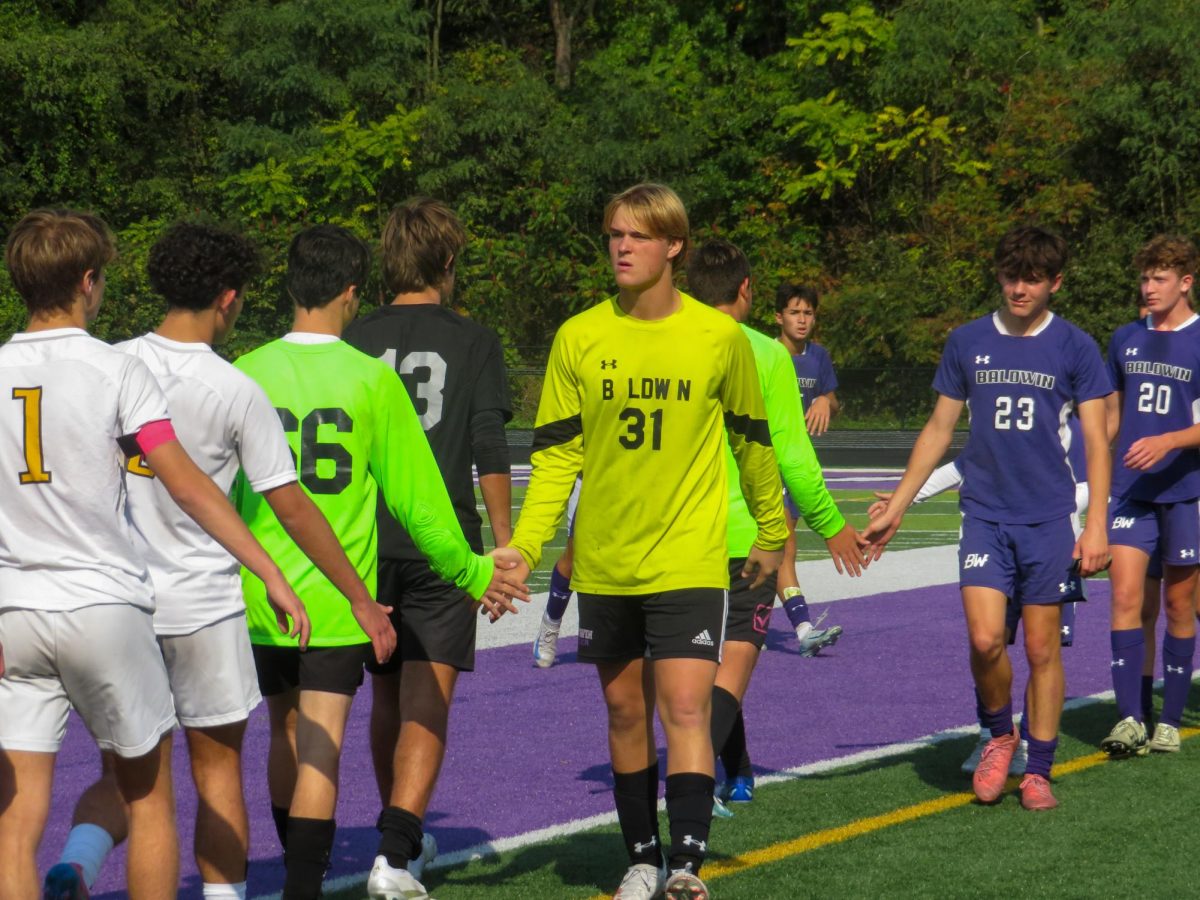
(750, 441)
(557, 456)
(793, 448)
(414, 492)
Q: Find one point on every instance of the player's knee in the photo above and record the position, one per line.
(986, 646)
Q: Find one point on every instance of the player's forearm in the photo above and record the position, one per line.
(835, 405)
(497, 500)
(554, 471)
(1112, 415)
(198, 496)
(307, 526)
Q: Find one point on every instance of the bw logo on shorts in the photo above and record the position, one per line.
(704, 639)
(975, 561)
(1123, 521)
(585, 636)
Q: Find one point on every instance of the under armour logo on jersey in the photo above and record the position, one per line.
(608, 363)
(975, 560)
(1115, 663)
(1131, 351)
(1123, 521)
(689, 841)
(649, 845)
(1187, 554)
(704, 639)
(1178, 670)
(985, 360)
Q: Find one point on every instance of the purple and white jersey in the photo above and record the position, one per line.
(814, 373)
(1159, 374)
(1020, 392)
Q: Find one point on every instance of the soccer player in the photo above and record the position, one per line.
(75, 595)
(225, 422)
(718, 274)
(1023, 370)
(1155, 366)
(796, 314)
(356, 437)
(640, 391)
(454, 371)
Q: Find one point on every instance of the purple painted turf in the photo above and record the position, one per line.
(528, 749)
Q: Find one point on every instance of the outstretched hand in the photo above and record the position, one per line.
(879, 507)
(508, 584)
(847, 551)
(879, 531)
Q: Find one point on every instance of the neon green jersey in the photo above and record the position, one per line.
(793, 448)
(353, 431)
(642, 409)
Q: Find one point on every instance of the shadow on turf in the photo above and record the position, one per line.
(589, 859)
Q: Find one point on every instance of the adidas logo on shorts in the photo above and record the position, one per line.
(704, 639)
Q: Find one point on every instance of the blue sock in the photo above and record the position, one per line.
(1041, 757)
(1068, 624)
(1147, 697)
(1177, 676)
(1000, 722)
(797, 610)
(560, 595)
(1128, 654)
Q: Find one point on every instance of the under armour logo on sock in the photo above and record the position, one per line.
(1116, 662)
(649, 845)
(689, 841)
(1178, 670)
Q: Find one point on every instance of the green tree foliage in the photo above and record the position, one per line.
(874, 149)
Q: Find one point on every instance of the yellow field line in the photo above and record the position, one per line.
(826, 837)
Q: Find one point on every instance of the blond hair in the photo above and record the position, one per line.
(1167, 251)
(657, 210)
(50, 250)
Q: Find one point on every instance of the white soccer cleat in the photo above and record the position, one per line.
(545, 645)
(386, 883)
(683, 885)
(641, 882)
(971, 763)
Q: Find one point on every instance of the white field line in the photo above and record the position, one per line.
(575, 826)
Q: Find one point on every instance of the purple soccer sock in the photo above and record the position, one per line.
(1128, 654)
(1041, 757)
(797, 610)
(560, 595)
(1177, 676)
(1068, 624)
(999, 722)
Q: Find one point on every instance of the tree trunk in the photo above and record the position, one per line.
(564, 22)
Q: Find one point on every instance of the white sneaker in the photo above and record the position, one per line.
(545, 645)
(1016, 767)
(386, 883)
(683, 885)
(641, 882)
(428, 854)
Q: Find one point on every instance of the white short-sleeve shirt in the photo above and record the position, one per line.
(65, 542)
(225, 422)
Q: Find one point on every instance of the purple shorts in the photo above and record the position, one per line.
(1169, 531)
(1029, 563)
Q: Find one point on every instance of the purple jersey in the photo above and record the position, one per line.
(814, 373)
(1159, 374)
(1020, 392)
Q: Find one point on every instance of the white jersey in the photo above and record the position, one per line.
(225, 422)
(65, 400)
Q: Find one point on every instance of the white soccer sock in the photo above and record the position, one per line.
(87, 846)
(802, 630)
(225, 891)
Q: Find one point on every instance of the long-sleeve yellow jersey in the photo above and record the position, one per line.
(641, 409)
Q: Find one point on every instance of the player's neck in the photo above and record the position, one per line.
(1172, 318)
(731, 310)
(75, 317)
(1022, 326)
(428, 297)
(657, 301)
(794, 348)
(323, 320)
(188, 326)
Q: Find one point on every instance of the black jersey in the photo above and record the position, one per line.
(453, 368)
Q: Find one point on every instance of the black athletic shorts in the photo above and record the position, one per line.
(336, 670)
(668, 624)
(435, 620)
(749, 610)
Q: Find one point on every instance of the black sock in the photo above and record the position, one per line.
(310, 843)
(400, 836)
(638, 818)
(280, 815)
(689, 809)
(734, 756)
(725, 714)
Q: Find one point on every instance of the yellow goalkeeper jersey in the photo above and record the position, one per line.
(641, 409)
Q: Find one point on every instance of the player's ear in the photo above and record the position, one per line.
(744, 290)
(226, 301)
(1057, 283)
(674, 246)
